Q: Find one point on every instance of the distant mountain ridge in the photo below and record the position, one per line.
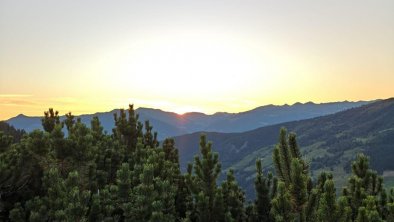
(328, 142)
(169, 124)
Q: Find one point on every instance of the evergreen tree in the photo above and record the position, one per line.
(298, 189)
(155, 191)
(9, 130)
(77, 200)
(50, 120)
(144, 194)
(124, 183)
(363, 183)
(203, 183)
(63, 200)
(390, 215)
(233, 198)
(171, 153)
(124, 190)
(183, 195)
(127, 128)
(292, 171)
(150, 139)
(265, 191)
(97, 129)
(368, 211)
(5, 141)
(95, 211)
(344, 210)
(69, 121)
(281, 209)
(328, 208)
(17, 214)
(88, 175)
(312, 205)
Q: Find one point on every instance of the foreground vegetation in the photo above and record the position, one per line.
(71, 172)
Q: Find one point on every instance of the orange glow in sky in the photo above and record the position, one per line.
(182, 56)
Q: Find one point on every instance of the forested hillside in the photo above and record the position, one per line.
(128, 176)
(6, 129)
(328, 143)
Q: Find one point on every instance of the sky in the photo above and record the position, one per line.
(87, 56)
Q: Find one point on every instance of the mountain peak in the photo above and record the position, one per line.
(193, 114)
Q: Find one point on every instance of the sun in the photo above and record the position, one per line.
(189, 67)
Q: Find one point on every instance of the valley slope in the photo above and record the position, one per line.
(328, 143)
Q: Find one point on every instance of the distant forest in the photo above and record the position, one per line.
(72, 172)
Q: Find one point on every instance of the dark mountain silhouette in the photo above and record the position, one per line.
(169, 124)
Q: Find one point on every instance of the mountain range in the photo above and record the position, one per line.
(169, 124)
(329, 134)
(328, 143)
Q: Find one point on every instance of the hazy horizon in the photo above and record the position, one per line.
(186, 56)
(180, 114)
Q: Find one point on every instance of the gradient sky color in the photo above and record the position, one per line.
(87, 56)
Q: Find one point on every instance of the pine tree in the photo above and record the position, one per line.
(281, 209)
(233, 198)
(203, 183)
(298, 189)
(282, 159)
(64, 201)
(127, 128)
(80, 143)
(362, 215)
(312, 205)
(292, 171)
(69, 121)
(183, 195)
(124, 191)
(97, 129)
(17, 214)
(155, 189)
(61, 149)
(382, 204)
(171, 153)
(363, 183)
(91, 176)
(95, 211)
(328, 208)
(150, 139)
(221, 211)
(265, 191)
(390, 215)
(77, 200)
(5, 141)
(37, 209)
(124, 183)
(50, 120)
(368, 211)
(144, 194)
(344, 210)
(108, 159)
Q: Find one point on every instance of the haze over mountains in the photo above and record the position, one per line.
(329, 143)
(169, 124)
(330, 135)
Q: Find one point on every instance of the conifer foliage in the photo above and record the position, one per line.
(72, 172)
